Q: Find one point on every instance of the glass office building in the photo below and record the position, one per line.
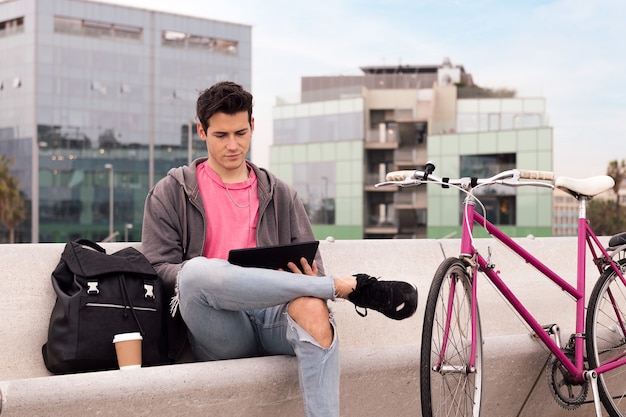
(97, 102)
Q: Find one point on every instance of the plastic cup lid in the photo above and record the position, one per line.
(123, 337)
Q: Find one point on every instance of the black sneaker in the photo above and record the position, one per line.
(395, 299)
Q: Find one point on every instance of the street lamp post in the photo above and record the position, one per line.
(126, 227)
(324, 198)
(111, 184)
(190, 142)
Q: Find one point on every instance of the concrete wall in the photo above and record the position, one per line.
(380, 357)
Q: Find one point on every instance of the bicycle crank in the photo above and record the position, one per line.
(567, 393)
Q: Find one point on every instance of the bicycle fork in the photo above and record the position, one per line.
(470, 367)
(441, 367)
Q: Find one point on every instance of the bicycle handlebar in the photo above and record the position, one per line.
(399, 175)
(536, 175)
(407, 178)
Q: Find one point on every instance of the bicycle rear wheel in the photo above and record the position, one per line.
(448, 386)
(606, 321)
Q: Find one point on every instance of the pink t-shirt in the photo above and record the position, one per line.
(231, 212)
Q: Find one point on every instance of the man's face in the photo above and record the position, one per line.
(228, 141)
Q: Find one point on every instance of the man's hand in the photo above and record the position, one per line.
(305, 268)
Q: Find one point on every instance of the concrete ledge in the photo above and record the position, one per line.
(375, 382)
(380, 357)
(382, 381)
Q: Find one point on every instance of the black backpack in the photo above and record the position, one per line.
(99, 296)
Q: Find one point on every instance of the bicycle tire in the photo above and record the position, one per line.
(451, 391)
(605, 337)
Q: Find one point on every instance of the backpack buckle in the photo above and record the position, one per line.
(149, 288)
(92, 288)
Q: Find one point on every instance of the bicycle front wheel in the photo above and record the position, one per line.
(449, 385)
(606, 341)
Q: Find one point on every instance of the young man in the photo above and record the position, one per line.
(197, 214)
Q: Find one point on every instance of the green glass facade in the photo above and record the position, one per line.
(532, 149)
(344, 174)
(319, 151)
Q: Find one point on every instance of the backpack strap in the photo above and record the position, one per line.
(91, 244)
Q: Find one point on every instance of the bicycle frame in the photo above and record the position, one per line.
(586, 238)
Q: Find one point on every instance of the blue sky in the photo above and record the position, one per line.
(569, 51)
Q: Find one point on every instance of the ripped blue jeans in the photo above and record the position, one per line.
(234, 312)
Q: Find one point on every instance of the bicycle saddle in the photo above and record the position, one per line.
(588, 187)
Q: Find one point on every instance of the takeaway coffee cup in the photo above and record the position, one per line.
(128, 349)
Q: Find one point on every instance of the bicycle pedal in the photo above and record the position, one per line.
(553, 330)
(549, 328)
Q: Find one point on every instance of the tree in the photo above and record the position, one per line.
(607, 217)
(617, 171)
(12, 211)
(605, 220)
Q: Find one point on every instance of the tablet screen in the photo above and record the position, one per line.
(274, 257)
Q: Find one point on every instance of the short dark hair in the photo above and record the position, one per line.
(224, 97)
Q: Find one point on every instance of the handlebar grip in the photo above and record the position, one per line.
(398, 175)
(536, 175)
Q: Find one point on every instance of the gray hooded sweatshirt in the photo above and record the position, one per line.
(174, 225)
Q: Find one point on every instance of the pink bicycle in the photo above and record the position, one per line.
(451, 360)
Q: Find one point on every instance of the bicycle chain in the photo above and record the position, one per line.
(567, 393)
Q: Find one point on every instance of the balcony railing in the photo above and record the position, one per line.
(383, 134)
(413, 199)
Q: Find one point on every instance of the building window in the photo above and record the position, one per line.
(319, 128)
(484, 166)
(498, 201)
(315, 183)
(94, 28)
(499, 209)
(187, 40)
(12, 26)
